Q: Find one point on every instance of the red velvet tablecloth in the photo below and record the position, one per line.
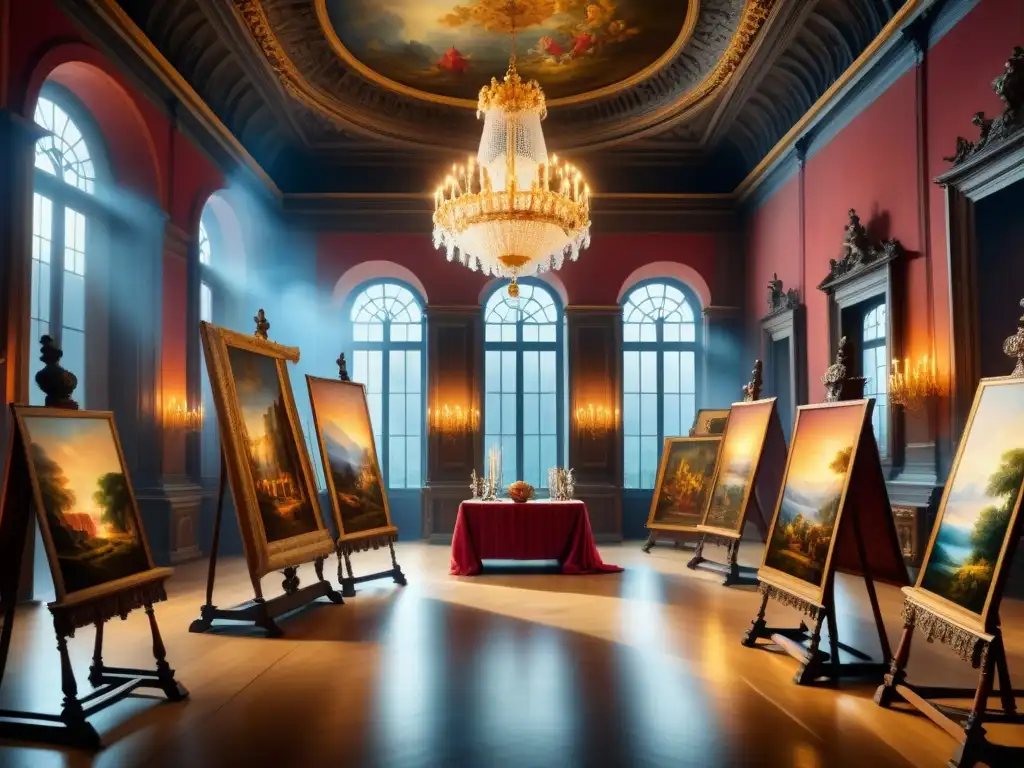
(537, 530)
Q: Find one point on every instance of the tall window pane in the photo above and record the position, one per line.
(59, 283)
(876, 369)
(388, 359)
(660, 340)
(523, 392)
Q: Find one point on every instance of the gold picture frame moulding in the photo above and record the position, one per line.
(357, 541)
(93, 605)
(863, 516)
(674, 530)
(709, 421)
(765, 481)
(974, 637)
(262, 556)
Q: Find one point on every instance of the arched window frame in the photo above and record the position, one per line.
(515, 443)
(875, 365)
(69, 227)
(380, 397)
(643, 441)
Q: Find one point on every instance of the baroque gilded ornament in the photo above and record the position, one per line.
(1009, 87)
(1014, 346)
(857, 252)
(512, 210)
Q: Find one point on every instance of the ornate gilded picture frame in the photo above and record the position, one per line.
(88, 515)
(344, 433)
(684, 479)
(268, 466)
(977, 525)
(808, 514)
(710, 422)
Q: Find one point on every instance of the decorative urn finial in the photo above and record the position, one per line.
(57, 383)
(262, 324)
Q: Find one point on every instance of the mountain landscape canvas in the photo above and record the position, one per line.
(983, 496)
(271, 447)
(685, 479)
(821, 458)
(741, 450)
(350, 457)
(87, 504)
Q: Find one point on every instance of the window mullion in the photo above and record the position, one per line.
(385, 405)
(660, 384)
(520, 348)
(57, 256)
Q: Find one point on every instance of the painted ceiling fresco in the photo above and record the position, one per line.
(449, 49)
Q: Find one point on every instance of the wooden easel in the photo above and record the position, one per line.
(258, 612)
(966, 725)
(767, 480)
(866, 508)
(111, 684)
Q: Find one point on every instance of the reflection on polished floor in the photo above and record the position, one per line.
(642, 668)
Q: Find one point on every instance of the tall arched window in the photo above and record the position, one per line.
(876, 369)
(62, 206)
(523, 390)
(209, 447)
(660, 340)
(388, 359)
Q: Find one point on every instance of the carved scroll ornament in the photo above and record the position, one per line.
(1009, 87)
(858, 252)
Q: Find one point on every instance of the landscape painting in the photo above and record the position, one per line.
(820, 461)
(741, 451)
(982, 498)
(687, 468)
(271, 447)
(350, 457)
(87, 504)
(451, 49)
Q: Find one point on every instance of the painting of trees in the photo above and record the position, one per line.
(115, 499)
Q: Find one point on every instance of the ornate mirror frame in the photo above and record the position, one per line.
(980, 169)
(865, 271)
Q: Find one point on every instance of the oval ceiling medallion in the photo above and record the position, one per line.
(444, 51)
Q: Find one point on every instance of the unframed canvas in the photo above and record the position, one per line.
(88, 516)
(268, 466)
(978, 517)
(342, 419)
(822, 455)
(684, 478)
(736, 473)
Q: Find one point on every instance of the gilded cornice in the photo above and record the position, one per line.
(309, 67)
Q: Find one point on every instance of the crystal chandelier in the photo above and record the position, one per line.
(512, 210)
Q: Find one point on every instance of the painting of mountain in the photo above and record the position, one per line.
(818, 472)
(88, 507)
(685, 478)
(741, 450)
(346, 441)
(983, 496)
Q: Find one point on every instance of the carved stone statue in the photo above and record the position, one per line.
(855, 241)
(752, 390)
(774, 292)
(342, 368)
(857, 251)
(1014, 346)
(1009, 87)
(839, 385)
(262, 324)
(57, 383)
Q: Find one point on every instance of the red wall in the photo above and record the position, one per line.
(149, 157)
(871, 165)
(594, 280)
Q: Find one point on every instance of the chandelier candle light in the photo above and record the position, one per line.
(512, 210)
(594, 419)
(177, 415)
(910, 386)
(453, 420)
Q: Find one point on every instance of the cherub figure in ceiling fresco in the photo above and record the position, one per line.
(449, 48)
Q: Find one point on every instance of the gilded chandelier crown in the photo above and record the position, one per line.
(512, 95)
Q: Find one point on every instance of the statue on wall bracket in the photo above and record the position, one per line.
(1009, 87)
(857, 252)
(779, 300)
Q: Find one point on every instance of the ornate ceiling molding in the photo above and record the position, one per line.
(290, 34)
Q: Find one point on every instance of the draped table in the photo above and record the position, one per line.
(535, 530)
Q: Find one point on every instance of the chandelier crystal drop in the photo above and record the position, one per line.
(512, 210)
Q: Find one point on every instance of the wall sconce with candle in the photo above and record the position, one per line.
(450, 421)
(594, 420)
(911, 386)
(178, 416)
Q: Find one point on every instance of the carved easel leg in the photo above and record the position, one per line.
(96, 670)
(698, 556)
(973, 745)
(348, 587)
(810, 670)
(291, 580)
(732, 563)
(1006, 696)
(71, 713)
(205, 620)
(758, 625)
(652, 539)
(173, 690)
(333, 595)
(897, 675)
(397, 576)
(869, 582)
